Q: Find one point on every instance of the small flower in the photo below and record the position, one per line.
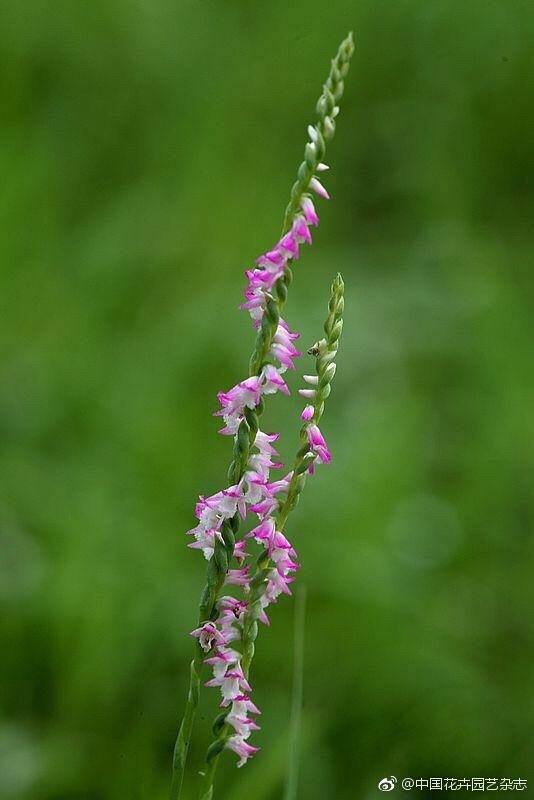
(282, 347)
(263, 442)
(232, 684)
(301, 231)
(273, 381)
(318, 188)
(244, 394)
(239, 577)
(243, 750)
(307, 413)
(207, 636)
(265, 507)
(249, 705)
(280, 486)
(310, 213)
(240, 552)
(238, 717)
(221, 660)
(264, 532)
(204, 540)
(261, 463)
(274, 258)
(318, 444)
(229, 604)
(289, 244)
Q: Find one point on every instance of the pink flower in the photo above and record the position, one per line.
(221, 660)
(207, 636)
(265, 507)
(318, 188)
(204, 540)
(243, 750)
(274, 258)
(282, 347)
(249, 705)
(238, 717)
(308, 412)
(290, 244)
(240, 552)
(280, 486)
(232, 684)
(255, 303)
(228, 604)
(264, 532)
(309, 211)
(300, 230)
(318, 444)
(261, 463)
(263, 442)
(239, 577)
(273, 381)
(244, 394)
(282, 548)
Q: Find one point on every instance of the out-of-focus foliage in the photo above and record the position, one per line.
(147, 151)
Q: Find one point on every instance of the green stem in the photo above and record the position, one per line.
(206, 791)
(296, 700)
(181, 746)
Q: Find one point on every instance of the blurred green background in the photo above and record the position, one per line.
(147, 151)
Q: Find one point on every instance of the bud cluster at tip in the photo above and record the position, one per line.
(327, 110)
(327, 348)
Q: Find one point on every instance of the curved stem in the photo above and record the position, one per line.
(181, 746)
(296, 700)
(206, 790)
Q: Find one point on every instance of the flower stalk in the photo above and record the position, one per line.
(223, 619)
(325, 351)
(260, 591)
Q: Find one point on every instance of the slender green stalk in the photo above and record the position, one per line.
(296, 700)
(182, 742)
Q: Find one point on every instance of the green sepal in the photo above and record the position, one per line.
(304, 465)
(228, 539)
(219, 723)
(234, 523)
(310, 157)
(252, 421)
(212, 572)
(241, 446)
(220, 556)
(304, 174)
(281, 291)
(215, 749)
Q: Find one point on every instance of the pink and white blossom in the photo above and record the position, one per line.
(318, 445)
(208, 635)
(307, 412)
(243, 750)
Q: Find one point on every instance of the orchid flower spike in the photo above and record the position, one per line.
(259, 568)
